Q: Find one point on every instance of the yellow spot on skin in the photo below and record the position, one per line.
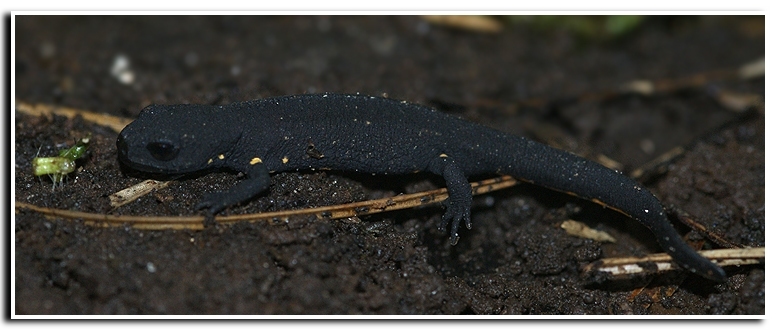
(255, 161)
(443, 156)
(285, 160)
(210, 161)
(221, 156)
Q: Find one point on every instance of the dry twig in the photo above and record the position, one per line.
(663, 262)
(326, 212)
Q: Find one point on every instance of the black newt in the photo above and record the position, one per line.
(380, 136)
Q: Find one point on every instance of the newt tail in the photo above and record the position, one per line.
(562, 171)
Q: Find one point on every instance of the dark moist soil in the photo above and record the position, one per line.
(516, 259)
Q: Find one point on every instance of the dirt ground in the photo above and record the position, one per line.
(551, 83)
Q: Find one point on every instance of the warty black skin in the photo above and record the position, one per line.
(376, 135)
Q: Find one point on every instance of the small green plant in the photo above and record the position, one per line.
(59, 167)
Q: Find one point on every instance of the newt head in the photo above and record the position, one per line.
(177, 139)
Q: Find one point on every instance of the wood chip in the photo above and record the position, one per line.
(130, 194)
(579, 229)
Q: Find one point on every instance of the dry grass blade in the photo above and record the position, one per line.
(689, 221)
(657, 165)
(621, 267)
(107, 220)
(116, 123)
(326, 212)
(755, 69)
(751, 70)
(466, 22)
(738, 102)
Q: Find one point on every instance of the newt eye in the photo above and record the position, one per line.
(162, 150)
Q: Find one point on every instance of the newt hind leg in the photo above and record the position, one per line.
(460, 197)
